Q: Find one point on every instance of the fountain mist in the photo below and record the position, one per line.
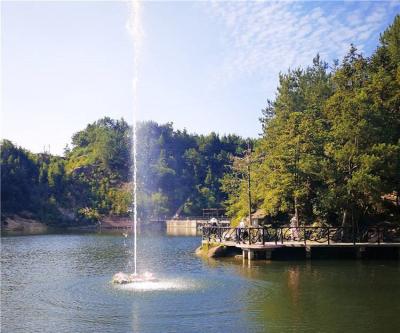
(135, 29)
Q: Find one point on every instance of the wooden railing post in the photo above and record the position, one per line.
(379, 236)
(329, 236)
(263, 236)
(248, 233)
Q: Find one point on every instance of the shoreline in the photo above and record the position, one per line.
(18, 224)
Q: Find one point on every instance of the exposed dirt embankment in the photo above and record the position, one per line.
(26, 223)
(22, 224)
(116, 222)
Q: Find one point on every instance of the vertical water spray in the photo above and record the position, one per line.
(135, 30)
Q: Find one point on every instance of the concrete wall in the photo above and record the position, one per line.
(190, 223)
(181, 224)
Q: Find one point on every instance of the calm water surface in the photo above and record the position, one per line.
(61, 283)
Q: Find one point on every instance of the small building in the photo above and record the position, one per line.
(259, 217)
(213, 212)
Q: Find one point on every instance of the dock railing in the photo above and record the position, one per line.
(302, 234)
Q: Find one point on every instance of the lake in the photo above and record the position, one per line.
(61, 283)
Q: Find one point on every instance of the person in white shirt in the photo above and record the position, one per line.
(293, 228)
(242, 231)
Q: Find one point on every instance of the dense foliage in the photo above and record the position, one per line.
(177, 172)
(330, 149)
(180, 172)
(329, 153)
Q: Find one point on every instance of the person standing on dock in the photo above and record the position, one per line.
(294, 228)
(242, 230)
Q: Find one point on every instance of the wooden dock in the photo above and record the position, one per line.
(307, 242)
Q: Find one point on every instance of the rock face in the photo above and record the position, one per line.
(217, 251)
(116, 222)
(210, 252)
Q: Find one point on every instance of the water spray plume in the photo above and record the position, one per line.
(135, 29)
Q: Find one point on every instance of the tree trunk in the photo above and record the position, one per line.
(296, 212)
(249, 192)
(344, 218)
(344, 221)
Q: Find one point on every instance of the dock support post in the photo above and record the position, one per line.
(244, 254)
(268, 254)
(250, 255)
(308, 252)
(359, 252)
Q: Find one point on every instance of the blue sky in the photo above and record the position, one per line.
(205, 66)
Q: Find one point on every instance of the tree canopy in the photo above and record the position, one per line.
(177, 172)
(329, 152)
(330, 149)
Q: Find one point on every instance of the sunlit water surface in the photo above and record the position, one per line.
(61, 283)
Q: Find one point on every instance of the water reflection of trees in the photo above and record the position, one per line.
(324, 296)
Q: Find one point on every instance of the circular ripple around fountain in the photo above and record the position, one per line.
(157, 285)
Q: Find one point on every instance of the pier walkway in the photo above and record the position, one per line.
(263, 241)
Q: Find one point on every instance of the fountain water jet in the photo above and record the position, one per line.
(135, 30)
(136, 33)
